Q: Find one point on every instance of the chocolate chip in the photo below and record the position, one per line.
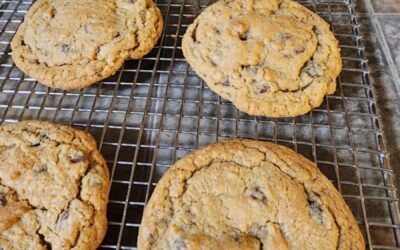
(299, 50)
(284, 36)
(3, 200)
(315, 208)
(264, 89)
(226, 84)
(63, 216)
(179, 244)
(33, 61)
(65, 48)
(257, 194)
(42, 169)
(43, 240)
(116, 34)
(252, 68)
(53, 13)
(243, 37)
(79, 158)
(34, 145)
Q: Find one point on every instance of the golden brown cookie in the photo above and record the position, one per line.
(245, 194)
(53, 188)
(73, 44)
(270, 58)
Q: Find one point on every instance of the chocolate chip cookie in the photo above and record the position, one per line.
(53, 188)
(73, 44)
(245, 194)
(270, 58)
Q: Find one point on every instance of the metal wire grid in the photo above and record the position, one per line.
(156, 110)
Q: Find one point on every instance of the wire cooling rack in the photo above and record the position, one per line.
(156, 110)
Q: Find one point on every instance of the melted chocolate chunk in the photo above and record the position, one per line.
(226, 84)
(257, 194)
(116, 34)
(179, 244)
(41, 169)
(77, 159)
(284, 36)
(53, 13)
(33, 61)
(65, 48)
(316, 209)
(243, 37)
(252, 68)
(299, 50)
(264, 89)
(43, 240)
(3, 201)
(34, 145)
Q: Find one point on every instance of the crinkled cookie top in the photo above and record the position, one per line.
(53, 188)
(244, 194)
(72, 44)
(269, 57)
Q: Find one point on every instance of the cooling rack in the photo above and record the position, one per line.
(156, 110)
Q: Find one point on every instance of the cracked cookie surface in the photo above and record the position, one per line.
(269, 57)
(245, 194)
(73, 44)
(53, 188)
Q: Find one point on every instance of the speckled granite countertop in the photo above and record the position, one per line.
(380, 25)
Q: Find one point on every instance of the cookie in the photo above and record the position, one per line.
(270, 58)
(245, 194)
(73, 44)
(53, 188)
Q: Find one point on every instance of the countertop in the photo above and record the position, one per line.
(380, 26)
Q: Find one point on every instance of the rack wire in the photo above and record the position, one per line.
(156, 110)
